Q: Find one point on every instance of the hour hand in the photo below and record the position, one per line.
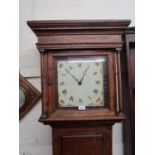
(84, 74)
(72, 75)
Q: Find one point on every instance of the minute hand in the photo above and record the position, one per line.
(72, 75)
(84, 74)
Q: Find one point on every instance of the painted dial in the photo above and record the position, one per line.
(80, 82)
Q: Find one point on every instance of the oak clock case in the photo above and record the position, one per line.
(81, 83)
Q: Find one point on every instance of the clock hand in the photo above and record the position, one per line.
(72, 75)
(84, 74)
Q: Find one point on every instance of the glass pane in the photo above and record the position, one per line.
(21, 98)
(81, 81)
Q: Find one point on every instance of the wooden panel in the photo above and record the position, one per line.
(43, 60)
(131, 63)
(46, 28)
(129, 89)
(83, 145)
(131, 77)
(77, 24)
(79, 39)
(88, 140)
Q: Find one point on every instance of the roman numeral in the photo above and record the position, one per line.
(64, 92)
(62, 83)
(80, 100)
(97, 82)
(95, 91)
(71, 98)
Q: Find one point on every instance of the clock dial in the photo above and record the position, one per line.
(80, 82)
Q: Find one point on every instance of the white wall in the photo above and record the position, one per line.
(35, 138)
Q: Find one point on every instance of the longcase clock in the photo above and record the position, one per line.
(81, 83)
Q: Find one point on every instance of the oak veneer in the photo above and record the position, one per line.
(76, 132)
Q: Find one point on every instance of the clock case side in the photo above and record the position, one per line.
(71, 35)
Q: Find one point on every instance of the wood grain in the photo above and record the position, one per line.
(77, 132)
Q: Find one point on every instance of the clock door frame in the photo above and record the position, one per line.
(59, 114)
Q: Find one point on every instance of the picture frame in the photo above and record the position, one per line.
(28, 96)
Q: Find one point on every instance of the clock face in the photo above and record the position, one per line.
(80, 81)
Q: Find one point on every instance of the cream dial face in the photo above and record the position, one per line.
(80, 82)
